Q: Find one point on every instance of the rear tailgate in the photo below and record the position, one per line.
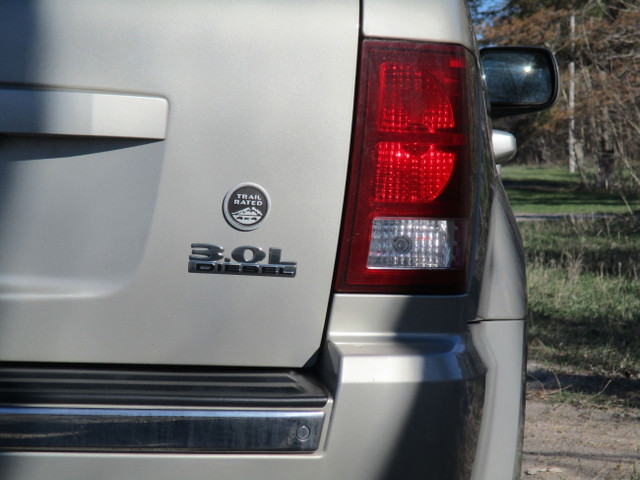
(125, 125)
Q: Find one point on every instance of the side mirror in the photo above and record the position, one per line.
(519, 79)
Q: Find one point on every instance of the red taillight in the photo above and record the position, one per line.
(408, 211)
(410, 172)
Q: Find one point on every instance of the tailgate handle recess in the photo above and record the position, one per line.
(80, 113)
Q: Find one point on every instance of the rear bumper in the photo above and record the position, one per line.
(405, 409)
(396, 409)
(125, 410)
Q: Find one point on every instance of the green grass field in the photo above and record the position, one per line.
(553, 190)
(584, 294)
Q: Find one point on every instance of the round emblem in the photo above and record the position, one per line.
(246, 206)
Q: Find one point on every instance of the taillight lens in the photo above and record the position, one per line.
(409, 200)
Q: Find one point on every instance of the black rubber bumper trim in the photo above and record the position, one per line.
(183, 388)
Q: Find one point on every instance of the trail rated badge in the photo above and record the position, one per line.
(246, 206)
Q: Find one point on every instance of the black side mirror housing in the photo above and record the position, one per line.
(519, 79)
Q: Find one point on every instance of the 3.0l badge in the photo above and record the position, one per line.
(246, 206)
(244, 260)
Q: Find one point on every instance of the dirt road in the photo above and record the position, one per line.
(566, 442)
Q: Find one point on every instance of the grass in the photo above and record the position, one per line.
(553, 190)
(584, 298)
(584, 323)
(608, 246)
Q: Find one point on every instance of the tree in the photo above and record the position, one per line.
(605, 52)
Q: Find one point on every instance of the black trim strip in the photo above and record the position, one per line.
(158, 430)
(29, 385)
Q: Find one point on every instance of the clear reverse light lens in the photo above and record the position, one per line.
(405, 243)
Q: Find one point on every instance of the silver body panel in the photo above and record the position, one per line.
(97, 225)
(96, 232)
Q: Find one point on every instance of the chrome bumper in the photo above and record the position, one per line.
(151, 430)
(102, 410)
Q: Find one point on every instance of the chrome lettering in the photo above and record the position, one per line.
(206, 258)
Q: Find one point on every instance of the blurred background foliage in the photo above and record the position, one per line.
(595, 127)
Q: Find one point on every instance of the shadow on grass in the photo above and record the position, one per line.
(537, 184)
(588, 201)
(539, 195)
(594, 359)
(598, 389)
(588, 344)
(616, 261)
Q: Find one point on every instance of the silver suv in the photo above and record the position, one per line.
(258, 240)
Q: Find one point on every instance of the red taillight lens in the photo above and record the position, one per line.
(410, 172)
(408, 212)
(412, 100)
